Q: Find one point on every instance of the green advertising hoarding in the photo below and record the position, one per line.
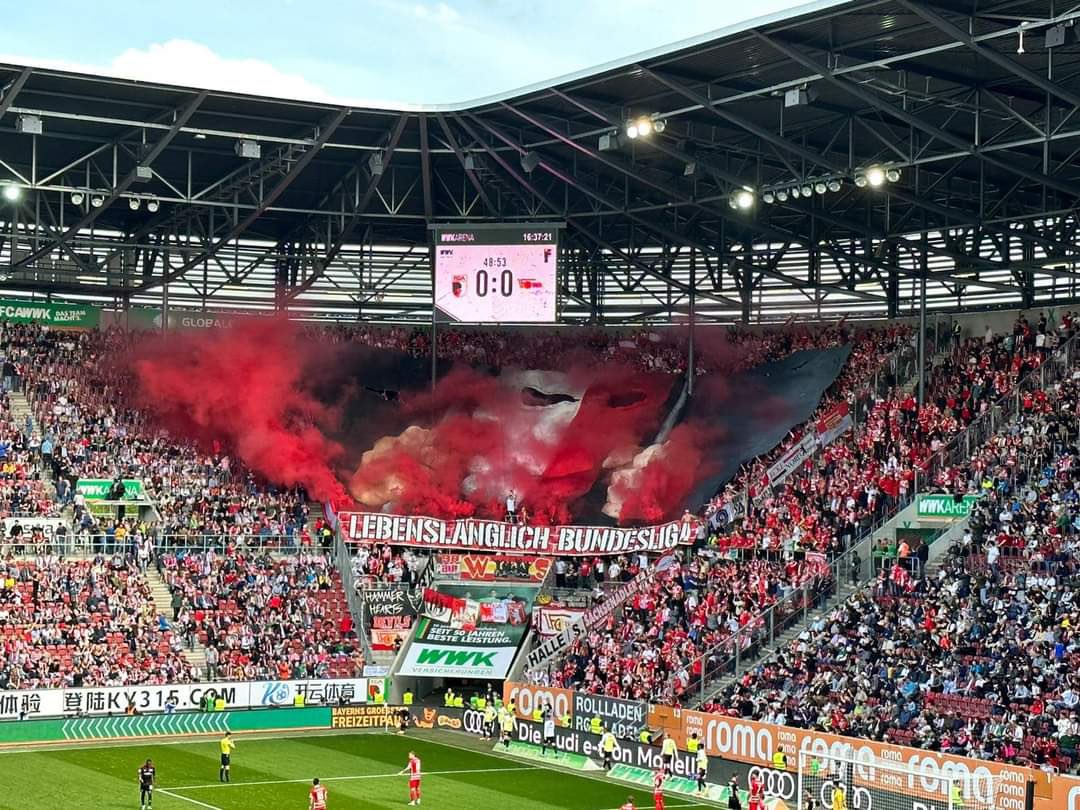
(78, 316)
(477, 637)
(944, 507)
(158, 725)
(97, 489)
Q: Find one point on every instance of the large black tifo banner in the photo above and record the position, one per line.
(765, 404)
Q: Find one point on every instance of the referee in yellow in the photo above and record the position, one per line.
(227, 745)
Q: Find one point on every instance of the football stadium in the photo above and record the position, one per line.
(699, 430)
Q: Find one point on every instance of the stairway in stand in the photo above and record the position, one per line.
(159, 592)
(20, 409)
(336, 607)
(316, 513)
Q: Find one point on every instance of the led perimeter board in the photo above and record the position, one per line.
(496, 273)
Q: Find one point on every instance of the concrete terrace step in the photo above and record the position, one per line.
(315, 514)
(20, 409)
(162, 597)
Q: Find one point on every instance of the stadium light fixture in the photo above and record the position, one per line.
(821, 187)
(659, 124)
(768, 198)
(860, 180)
(77, 198)
(97, 201)
(807, 190)
(892, 175)
(782, 195)
(134, 203)
(152, 206)
(12, 193)
(529, 161)
(742, 200)
(795, 193)
(642, 127)
(834, 185)
(875, 176)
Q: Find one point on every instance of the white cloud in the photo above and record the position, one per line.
(191, 64)
(181, 61)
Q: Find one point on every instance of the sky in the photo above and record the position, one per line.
(365, 51)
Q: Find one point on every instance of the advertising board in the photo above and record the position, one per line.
(465, 637)
(240, 695)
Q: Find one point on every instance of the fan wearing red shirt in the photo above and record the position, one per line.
(317, 796)
(413, 769)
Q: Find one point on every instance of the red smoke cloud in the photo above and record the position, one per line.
(663, 482)
(492, 435)
(551, 438)
(242, 387)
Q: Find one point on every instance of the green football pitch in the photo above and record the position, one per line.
(359, 771)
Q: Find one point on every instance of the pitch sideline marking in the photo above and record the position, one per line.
(186, 799)
(344, 778)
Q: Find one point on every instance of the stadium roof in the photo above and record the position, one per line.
(979, 140)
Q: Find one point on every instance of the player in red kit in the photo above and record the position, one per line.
(757, 793)
(658, 789)
(413, 769)
(317, 796)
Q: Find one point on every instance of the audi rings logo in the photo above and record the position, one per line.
(778, 784)
(858, 798)
(473, 722)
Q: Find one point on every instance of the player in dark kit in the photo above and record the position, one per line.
(146, 785)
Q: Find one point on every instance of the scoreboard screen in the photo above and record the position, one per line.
(497, 274)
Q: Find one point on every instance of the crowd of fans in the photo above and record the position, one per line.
(836, 495)
(655, 648)
(977, 655)
(263, 618)
(821, 509)
(21, 489)
(88, 622)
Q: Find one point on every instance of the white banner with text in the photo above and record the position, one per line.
(492, 535)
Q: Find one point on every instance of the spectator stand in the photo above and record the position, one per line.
(980, 651)
(855, 568)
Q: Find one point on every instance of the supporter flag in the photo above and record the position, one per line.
(665, 564)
